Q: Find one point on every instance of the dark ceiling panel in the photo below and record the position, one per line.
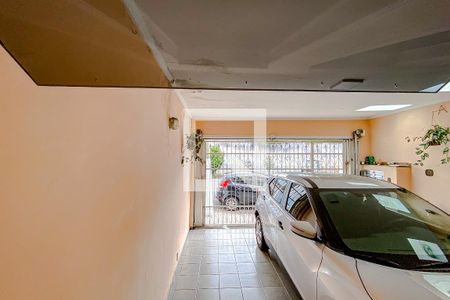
(78, 43)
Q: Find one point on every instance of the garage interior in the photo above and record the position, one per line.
(97, 200)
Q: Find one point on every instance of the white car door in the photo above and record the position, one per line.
(277, 195)
(263, 207)
(300, 256)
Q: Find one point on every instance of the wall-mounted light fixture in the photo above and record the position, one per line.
(359, 133)
(174, 123)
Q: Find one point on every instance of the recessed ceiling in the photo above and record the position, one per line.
(250, 105)
(393, 46)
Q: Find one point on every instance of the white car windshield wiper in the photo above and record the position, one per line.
(377, 259)
(433, 265)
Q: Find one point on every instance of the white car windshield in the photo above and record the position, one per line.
(393, 226)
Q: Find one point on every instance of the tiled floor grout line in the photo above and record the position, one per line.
(240, 240)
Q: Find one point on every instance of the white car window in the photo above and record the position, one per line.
(298, 205)
(277, 188)
(296, 193)
(390, 225)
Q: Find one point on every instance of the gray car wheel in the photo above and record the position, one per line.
(259, 233)
(231, 203)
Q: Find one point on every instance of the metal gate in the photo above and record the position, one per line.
(237, 168)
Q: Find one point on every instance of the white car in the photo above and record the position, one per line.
(352, 237)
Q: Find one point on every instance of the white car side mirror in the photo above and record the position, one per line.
(304, 229)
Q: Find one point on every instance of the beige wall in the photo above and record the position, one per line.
(290, 128)
(388, 144)
(91, 196)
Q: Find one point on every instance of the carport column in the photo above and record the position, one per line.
(260, 138)
(357, 135)
(199, 188)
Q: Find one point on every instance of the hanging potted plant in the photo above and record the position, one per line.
(437, 135)
(194, 143)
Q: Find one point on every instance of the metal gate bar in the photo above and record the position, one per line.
(250, 160)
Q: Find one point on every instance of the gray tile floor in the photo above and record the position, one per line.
(226, 264)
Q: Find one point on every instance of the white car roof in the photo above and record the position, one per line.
(338, 181)
(238, 174)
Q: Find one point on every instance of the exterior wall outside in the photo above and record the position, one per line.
(91, 187)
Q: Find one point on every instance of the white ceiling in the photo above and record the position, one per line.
(394, 45)
(248, 105)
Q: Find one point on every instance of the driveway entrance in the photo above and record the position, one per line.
(237, 168)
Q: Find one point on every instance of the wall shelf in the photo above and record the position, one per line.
(400, 175)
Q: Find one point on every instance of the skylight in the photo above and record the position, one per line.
(383, 107)
(434, 88)
(445, 88)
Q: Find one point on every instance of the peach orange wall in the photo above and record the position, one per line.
(290, 128)
(92, 204)
(388, 144)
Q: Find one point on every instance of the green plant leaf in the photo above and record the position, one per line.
(436, 135)
(216, 158)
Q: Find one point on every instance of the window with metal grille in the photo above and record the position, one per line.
(281, 156)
